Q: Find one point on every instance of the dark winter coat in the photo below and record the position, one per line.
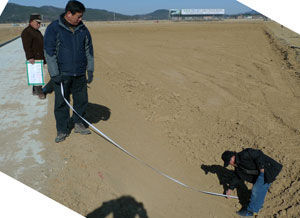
(33, 43)
(68, 51)
(249, 162)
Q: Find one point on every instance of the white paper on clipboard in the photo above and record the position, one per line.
(35, 73)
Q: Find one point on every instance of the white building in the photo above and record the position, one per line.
(196, 14)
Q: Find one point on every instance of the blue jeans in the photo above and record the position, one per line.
(259, 191)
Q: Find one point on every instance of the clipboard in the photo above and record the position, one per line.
(35, 74)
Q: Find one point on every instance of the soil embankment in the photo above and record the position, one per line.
(177, 95)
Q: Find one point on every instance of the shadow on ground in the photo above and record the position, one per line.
(224, 176)
(94, 113)
(123, 207)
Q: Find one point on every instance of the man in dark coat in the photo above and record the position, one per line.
(253, 166)
(69, 53)
(33, 44)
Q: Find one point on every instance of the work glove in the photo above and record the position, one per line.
(57, 79)
(90, 77)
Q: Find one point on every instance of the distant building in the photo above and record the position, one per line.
(196, 14)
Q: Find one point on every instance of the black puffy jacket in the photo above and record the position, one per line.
(69, 52)
(249, 162)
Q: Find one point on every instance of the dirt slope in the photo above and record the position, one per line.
(177, 95)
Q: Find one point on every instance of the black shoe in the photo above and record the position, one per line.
(80, 128)
(60, 137)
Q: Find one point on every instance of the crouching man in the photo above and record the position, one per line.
(253, 166)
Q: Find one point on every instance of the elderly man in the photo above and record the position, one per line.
(69, 54)
(33, 44)
(253, 166)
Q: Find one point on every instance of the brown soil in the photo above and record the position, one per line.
(177, 95)
(8, 32)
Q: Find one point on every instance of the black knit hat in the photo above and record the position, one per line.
(36, 17)
(226, 156)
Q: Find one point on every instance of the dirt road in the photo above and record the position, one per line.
(177, 95)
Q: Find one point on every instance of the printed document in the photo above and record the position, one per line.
(35, 73)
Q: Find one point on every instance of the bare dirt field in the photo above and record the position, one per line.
(8, 32)
(177, 95)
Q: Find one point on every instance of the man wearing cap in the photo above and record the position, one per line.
(255, 167)
(69, 54)
(33, 44)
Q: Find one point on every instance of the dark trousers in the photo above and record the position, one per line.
(36, 90)
(78, 87)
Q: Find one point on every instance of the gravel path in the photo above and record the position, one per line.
(20, 118)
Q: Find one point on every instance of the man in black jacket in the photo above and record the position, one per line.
(33, 44)
(253, 166)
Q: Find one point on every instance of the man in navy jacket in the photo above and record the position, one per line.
(254, 166)
(68, 50)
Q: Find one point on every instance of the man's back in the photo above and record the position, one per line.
(250, 160)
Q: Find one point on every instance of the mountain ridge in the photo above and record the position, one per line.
(14, 13)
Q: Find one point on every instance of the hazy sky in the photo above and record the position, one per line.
(132, 7)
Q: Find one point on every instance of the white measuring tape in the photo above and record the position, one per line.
(138, 159)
